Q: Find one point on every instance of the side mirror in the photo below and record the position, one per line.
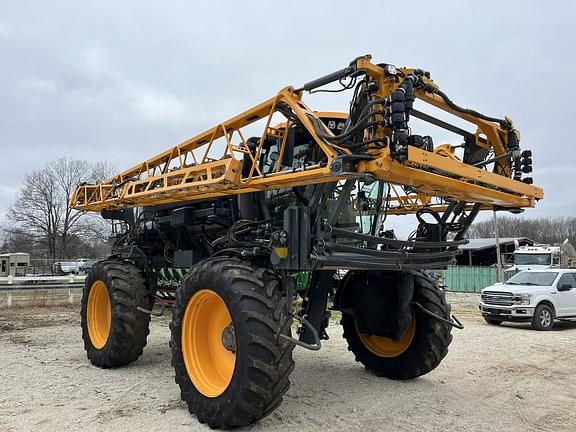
(565, 287)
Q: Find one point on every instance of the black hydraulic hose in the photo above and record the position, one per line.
(229, 251)
(503, 123)
(361, 124)
(364, 116)
(454, 322)
(370, 104)
(382, 140)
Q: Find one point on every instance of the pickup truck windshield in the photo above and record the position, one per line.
(533, 278)
(532, 259)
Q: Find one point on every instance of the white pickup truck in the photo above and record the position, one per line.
(82, 265)
(536, 296)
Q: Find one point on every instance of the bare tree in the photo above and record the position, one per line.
(18, 241)
(542, 230)
(41, 209)
(36, 212)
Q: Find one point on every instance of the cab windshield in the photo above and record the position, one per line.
(532, 259)
(533, 278)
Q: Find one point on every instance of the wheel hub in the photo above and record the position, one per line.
(545, 318)
(229, 338)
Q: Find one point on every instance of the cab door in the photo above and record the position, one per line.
(566, 299)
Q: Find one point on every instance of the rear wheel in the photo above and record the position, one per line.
(113, 329)
(492, 321)
(543, 318)
(421, 348)
(230, 362)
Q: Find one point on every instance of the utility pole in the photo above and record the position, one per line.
(498, 257)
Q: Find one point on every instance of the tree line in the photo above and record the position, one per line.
(547, 230)
(40, 222)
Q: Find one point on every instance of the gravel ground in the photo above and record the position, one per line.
(507, 378)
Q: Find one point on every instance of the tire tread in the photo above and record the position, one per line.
(260, 310)
(128, 289)
(430, 344)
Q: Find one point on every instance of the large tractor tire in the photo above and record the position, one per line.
(231, 364)
(421, 348)
(113, 329)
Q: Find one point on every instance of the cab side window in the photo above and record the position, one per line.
(567, 279)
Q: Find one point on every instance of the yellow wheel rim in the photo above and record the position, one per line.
(386, 347)
(99, 314)
(208, 343)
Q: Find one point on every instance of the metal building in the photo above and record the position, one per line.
(482, 251)
(14, 264)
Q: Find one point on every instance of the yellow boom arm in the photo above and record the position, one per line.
(222, 161)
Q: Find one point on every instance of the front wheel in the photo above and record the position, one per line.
(543, 318)
(113, 329)
(421, 348)
(230, 362)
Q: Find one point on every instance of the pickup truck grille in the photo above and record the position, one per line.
(497, 298)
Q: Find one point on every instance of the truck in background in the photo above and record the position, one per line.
(540, 257)
(537, 296)
(79, 266)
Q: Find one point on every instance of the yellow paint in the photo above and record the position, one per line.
(209, 364)
(386, 347)
(282, 252)
(99, 314)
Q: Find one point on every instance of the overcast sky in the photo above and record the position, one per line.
(123, 80)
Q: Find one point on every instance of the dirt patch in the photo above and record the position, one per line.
(26, 318)
(494, 378)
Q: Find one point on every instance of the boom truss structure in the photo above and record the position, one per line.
(384, 149)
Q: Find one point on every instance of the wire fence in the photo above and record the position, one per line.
(38, 296)
(58, 267)
(20, 265)
(40, 290)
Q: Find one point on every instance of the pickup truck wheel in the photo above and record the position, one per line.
(422, 347)
(492, 321)
(543, 318)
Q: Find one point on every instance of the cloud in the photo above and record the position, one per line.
(92, 79)
(157, 106)
(39, 84)
(5, 31)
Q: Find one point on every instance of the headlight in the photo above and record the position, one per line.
(523, 299)
(390, 69)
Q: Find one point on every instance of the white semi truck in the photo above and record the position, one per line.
(540, 257)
